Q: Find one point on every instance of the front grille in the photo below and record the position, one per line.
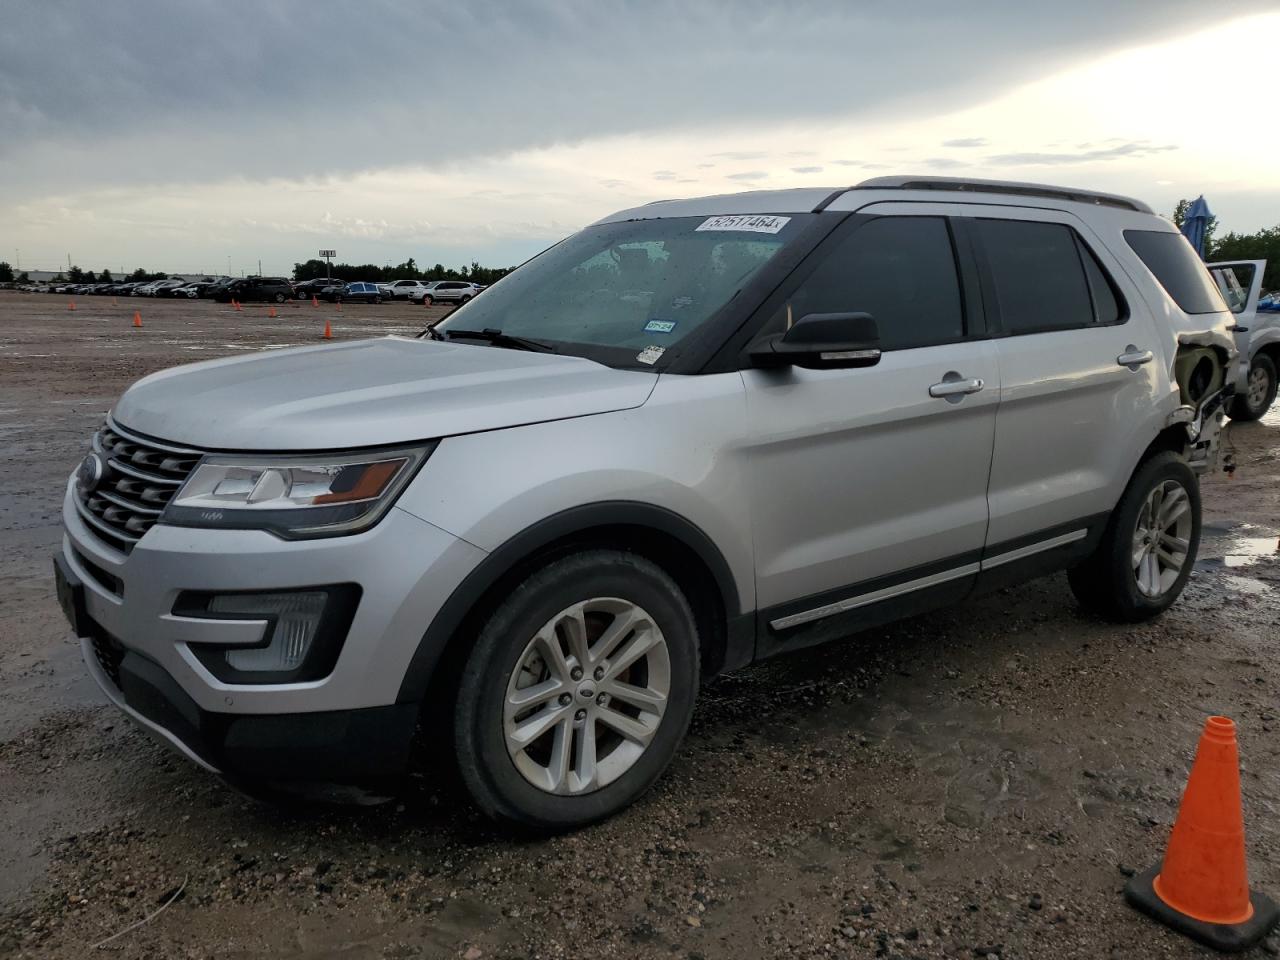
(141, 476)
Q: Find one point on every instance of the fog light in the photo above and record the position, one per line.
(295, 622)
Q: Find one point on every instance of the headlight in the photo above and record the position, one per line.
(294, 496)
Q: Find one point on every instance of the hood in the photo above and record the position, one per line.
(369, 393)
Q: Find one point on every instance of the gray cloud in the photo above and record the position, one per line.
(664, 174)
(749, 175)
(943, 163)
(184, 93)
(806, 169)
(966, 142)
(1132, 149)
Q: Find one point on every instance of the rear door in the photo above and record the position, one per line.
(1078, 379)
(869, 485)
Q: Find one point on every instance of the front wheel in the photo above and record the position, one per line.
(1259, 391)
(578, 691)
(280, 298)
(1149, 546)
(428, 301)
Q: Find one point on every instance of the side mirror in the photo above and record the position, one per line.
(822, 341)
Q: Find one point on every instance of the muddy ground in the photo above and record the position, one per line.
(976, 782)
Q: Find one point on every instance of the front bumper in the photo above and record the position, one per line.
(343, 746)
(406, 569)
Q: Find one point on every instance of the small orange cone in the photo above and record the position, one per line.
(71, 305)
(328, 331)
(1202, 887)
(113, 302)
(339, 302)
(314, 301)
(271, 312)
(137, 318)
(236, 304)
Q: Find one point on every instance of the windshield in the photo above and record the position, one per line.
(636, 289)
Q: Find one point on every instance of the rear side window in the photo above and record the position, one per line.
(1045, 278)
(1172, 261)
(901, 270)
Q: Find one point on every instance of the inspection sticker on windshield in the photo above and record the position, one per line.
(650, 354)
(659, 326)
(750, 224)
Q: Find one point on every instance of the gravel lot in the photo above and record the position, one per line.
(976, 782)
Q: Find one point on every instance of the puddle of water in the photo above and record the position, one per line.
(1244, 585)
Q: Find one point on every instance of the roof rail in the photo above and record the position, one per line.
(1007, 187)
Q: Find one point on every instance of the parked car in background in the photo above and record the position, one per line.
(307, 289)
(1257, 335)
(192, 291)
(412, 290)
(254, 289)
(449, 291)
(356, 292)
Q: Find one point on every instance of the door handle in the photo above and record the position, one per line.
(1133, 358)
(953, 385)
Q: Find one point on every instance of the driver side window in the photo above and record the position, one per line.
(901, 270)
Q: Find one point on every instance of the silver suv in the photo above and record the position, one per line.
(695, 434)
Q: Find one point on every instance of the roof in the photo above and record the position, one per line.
(812, 200)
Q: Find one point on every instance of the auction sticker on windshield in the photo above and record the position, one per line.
(751, 224)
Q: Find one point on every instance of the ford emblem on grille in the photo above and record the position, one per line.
(90, 473)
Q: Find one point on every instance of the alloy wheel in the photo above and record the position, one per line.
(1257, 388)
(1162, 538)
(587, 696)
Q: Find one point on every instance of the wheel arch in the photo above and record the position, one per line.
(674, 543)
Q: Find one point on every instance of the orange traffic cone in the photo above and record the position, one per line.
(1202, 887)
(339, 302)
(271, 312)
(328, 331)
(113, 301)
(236, 304)
(137, 318)
(71, 304)
(314, 301)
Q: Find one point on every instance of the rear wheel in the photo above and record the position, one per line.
(377, 299)
(1149, 546)
(1259, 392)
(428, 301)
(280, 298)
(578, 691)
(465, 299)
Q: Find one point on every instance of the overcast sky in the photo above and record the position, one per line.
(205, 135)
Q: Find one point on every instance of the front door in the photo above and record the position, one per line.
(869, 485)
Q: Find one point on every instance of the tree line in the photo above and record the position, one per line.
(409, 270)
(310, 270)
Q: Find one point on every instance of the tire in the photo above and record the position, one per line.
(280, 298)
(1115, 585)
(515, 786)
(428, 301)
(1260, 391)
(464, 300)
(377, 299)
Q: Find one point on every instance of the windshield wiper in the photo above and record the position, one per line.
(499, 339)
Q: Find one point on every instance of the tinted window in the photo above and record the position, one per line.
(1039, 279)
(1170, 258)
(901, 270)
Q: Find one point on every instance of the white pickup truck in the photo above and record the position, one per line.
(1257, 335)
